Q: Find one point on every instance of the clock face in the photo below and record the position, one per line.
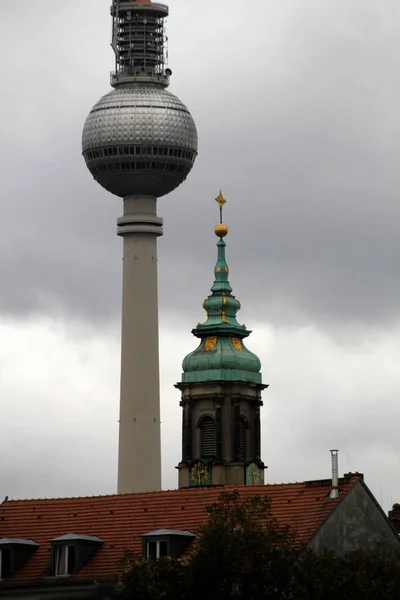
(200, 474)
(253, 474)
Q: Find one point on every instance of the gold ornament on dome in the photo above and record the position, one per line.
(224, 319)
(221, 200)
(238, 344)
(211, 342)
(221, 230)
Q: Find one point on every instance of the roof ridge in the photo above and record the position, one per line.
(93, 496)
(189, 490)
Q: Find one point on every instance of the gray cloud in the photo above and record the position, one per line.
(298, 123)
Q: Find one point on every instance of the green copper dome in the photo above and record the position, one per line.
(221, 355)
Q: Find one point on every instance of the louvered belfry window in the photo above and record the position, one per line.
(242, 439)
(208, 438)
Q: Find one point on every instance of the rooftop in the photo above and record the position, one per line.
(121, 520)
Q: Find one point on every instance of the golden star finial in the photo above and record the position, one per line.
(221, 200)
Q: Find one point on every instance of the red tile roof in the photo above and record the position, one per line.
(120, 520)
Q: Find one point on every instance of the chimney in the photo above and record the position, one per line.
(335, 475)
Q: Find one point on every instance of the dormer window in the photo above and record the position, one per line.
(5, 563)
(165, 542)
(70, 552)
(64, 560)
(14, 553)
(155, 549)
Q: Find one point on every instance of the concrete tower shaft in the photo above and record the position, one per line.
(139, 464)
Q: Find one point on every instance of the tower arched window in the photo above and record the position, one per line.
(242, 442)
(207, 438)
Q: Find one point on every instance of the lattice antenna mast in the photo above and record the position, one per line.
(139, 42)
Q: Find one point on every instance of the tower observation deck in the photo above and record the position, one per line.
(139, 143)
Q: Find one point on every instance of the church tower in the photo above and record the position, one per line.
(221, 392)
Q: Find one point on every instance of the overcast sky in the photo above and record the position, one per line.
(297, 109)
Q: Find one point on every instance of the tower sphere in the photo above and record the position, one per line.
(139, 139)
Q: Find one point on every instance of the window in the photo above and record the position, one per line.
(64, 560)
(70, 552)
(165, 542)
(156, 549)
(240, 436)
(242, 439)
(5, 563)
(207, 438)
(14, 553)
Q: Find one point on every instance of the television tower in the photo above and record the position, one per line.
(139, 143)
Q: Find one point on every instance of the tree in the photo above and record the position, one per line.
(165, 579)
(367, 574)
(244, 551)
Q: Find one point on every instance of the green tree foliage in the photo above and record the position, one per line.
(369, 574)
(165, 579)
(243, 552)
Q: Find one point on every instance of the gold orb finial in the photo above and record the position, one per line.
(221, 230)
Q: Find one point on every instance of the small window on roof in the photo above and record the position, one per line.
(14, 553)
(70, 552)
(5, 563)
(64, 560)
(165, 542)
(156, 549)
